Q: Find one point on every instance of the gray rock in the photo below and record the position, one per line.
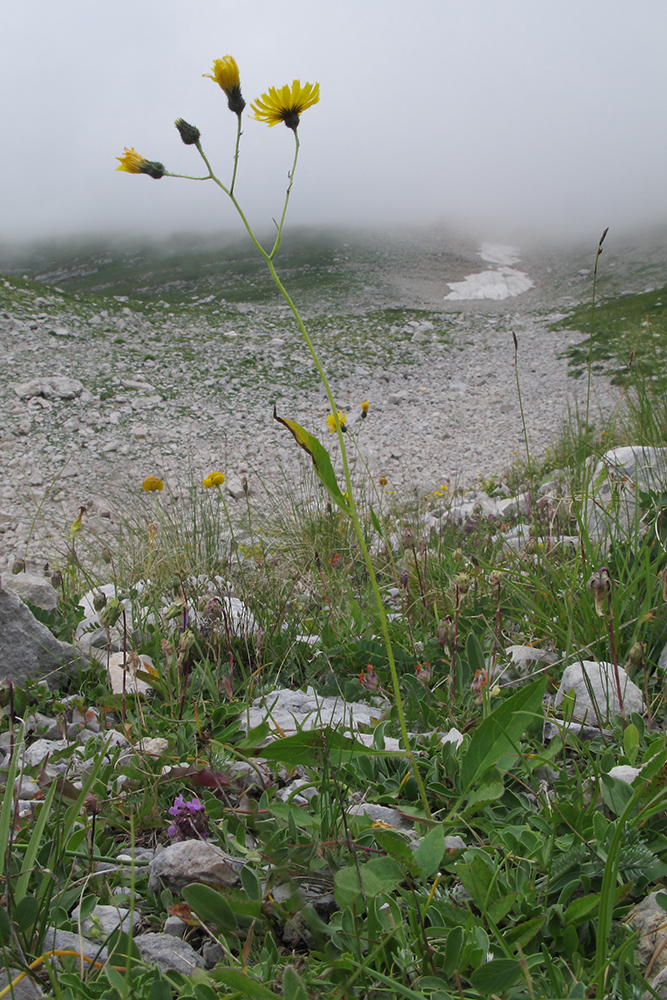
(193, 861)
(525, 657)
(648, 919)
(50, 387)
(175, 927)
(600, 678)
(612, 509)
(381, 814)
(104, 920)
(169, 953)
(236, 488)
(32, 589)
(27, 989)
(70, 941)
(28, 650)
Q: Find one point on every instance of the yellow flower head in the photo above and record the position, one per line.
(331, 420)
(364, 409)
(213, 479)
(382, 480)
(152, 484)
(225, 73)
(286, 105)
(134, 163)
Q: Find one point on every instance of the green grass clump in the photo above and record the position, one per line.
(629, 337)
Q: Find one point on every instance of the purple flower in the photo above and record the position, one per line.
(190, 821)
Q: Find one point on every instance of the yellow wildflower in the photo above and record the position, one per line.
(382, 480)
(286, 105)
(225, 73)
(331, 420)
(364, 409)
(152, 484)
(213, 479)
(134, 163)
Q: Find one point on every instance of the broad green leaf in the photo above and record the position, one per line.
(320, 457)
(490, 791)
(479, 879)
(501, 907)
(210, 906)
(497, 976)
(474, 654)
(522, 934)
(26, 913)
(377, 876)
(453, 950)
(244, 985)
(315, 746)
(251, 883)
(430, 852)
(5, 929)
(116, 980)
(293, 988)
(500, 731)
(397, 848)
(160, 989)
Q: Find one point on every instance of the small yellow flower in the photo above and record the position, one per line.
(152, 484)
(286, 105)
(331, 420)
(134, 163)
(382, 480)
(225, 73)
(213, 479)
(364, 409)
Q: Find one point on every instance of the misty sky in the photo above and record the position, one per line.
(479, 115)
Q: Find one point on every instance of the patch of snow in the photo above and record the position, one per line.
(503, 283)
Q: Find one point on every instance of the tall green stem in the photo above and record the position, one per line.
(352, 511)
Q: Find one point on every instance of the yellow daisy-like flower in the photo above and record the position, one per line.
(331, 420)
(152, 484)
(287, 104)
(225, 73)
(382, 480)
(213, 479)
(364, 409)
(134, 163)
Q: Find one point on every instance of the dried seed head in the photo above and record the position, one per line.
(599, 586)
(404, 579)
(446, 632)
(636, 654)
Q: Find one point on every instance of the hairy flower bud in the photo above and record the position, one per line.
(190, 134)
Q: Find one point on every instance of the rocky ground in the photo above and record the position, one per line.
(98, 391)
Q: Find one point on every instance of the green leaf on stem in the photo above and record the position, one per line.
(320, 457)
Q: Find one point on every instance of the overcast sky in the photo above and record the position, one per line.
(481, 115)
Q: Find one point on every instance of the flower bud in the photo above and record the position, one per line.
(99, 601)
(190, 134)
(445, 633)
(599, 586)
(111, 612)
